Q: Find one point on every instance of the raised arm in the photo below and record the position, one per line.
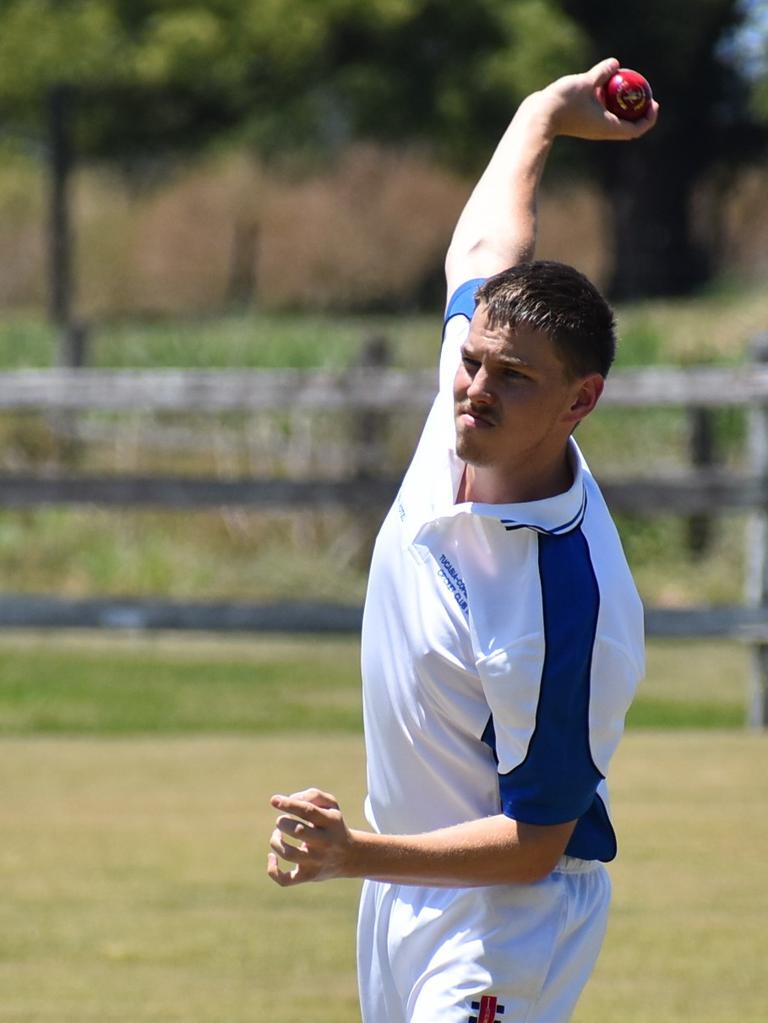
(497, 227)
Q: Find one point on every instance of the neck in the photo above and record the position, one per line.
(485, 484)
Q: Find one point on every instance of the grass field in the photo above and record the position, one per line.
(136, 775)
(85, 684)
(134, 887)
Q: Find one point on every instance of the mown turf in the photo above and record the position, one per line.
(178, 685)
(684, 941)
(82, 684)
(134, 886)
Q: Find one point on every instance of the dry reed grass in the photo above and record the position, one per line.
(368, 230)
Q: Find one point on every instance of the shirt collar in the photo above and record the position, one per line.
(553, 515)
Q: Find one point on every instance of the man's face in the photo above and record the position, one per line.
(514, 403)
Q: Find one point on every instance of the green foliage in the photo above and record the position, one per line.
(292, 71)
(384, 67)
(296, 75)
(713, 326)
(640, 345)
(447, 72)
(43, 43)
(152, 76)
(541, 44)
(245, 340)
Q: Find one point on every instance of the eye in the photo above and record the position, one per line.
(469, 362)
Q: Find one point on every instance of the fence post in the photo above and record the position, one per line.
(702, 452)
(73, 345)
(757, 548)
(371, 426)
(72, 353)
(60, 103)
(370, 444)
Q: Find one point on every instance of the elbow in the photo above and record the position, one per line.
(541, 847)
(538, 870)
(469, 257)
(531, 869)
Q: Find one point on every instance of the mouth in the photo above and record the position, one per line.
(472, 420)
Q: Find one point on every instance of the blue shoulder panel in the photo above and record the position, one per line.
(462, 301)
(558, 779)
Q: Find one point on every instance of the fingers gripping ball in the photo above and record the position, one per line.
(627, 94)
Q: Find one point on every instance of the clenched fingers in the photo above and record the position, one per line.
(284, 878)
(287, 850)
(294, 828)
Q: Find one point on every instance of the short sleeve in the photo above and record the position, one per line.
(458, 313)
(462, 301)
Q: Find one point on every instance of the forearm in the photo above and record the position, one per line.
(497, 227)
(494, 850)
(311, 834)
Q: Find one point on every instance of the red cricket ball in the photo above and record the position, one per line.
(627, 94)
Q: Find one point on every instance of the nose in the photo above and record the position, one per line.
(479, 391)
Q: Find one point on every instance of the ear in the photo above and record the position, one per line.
(585, 397)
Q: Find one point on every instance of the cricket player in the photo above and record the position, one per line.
(502, 637)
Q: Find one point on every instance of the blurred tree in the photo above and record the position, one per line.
(120, 79)
(45, 48)
(746, 48)
(706, 128)
(453, 73)
(448, 74)
(461, 69)
(147, 76)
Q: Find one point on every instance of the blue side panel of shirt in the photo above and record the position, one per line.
(557, 780)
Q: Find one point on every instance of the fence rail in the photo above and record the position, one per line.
(214, 391)
(685, 494)
(32, 611)
(369, 393)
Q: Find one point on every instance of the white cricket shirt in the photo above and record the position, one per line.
(501, 646)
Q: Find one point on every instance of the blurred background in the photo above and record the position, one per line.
(277, 155)
(222, 227)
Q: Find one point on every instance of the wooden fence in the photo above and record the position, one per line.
(699, 492)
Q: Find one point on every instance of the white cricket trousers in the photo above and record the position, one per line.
(499, 954)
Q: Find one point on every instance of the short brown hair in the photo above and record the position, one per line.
(562, 303)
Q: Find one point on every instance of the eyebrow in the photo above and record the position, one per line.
(513, 361)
